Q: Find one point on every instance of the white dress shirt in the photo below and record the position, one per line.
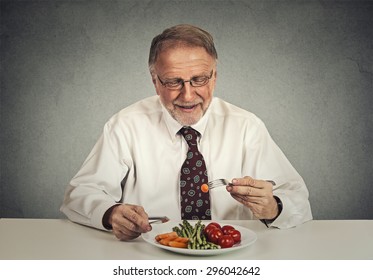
(138, 157)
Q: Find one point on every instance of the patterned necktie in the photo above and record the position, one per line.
(195, 204)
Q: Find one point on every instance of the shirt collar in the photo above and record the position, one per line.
(173, 126)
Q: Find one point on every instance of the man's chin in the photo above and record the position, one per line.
(184, 117)
(186, 120)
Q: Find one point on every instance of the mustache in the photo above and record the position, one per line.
(187, 104)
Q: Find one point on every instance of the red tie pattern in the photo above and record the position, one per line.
(195, 204)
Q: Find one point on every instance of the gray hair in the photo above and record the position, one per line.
(179, 35)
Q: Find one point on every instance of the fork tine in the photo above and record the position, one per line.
(158, 220)
(217, 183)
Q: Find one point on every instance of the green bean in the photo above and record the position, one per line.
(197, 239)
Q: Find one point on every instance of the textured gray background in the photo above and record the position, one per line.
(305, 68)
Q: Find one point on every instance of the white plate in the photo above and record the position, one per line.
(248, 237)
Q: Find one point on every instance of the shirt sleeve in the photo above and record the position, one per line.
(97, 185)
(271, 164)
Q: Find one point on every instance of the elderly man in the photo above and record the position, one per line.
(154, 156)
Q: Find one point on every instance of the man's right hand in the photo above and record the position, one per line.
(128, 221)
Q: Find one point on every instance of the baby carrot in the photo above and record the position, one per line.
(166, 241)
(165, 235)
(182, 239)
(176, 244)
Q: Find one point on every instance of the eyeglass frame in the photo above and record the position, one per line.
(182, 82)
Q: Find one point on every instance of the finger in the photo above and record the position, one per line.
(254, 207)
(121, 226)
(248, 199)
(240, 198)
(138, 219)
(128, 221)
(246, 181)
(253, 199)
(141, 212)
(255, 183)
(125, 235)
(121, 232)
(246, 191)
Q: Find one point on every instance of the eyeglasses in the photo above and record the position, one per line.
(178, 84)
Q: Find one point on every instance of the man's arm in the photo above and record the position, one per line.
(269, 163)
(97, 185)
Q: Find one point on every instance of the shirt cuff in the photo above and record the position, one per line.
(268, 222)
(99, 213)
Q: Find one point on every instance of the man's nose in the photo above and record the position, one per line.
(187, 92)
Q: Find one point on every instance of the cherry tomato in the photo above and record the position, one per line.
(214, 224)
(208, 229)
(226, 241)
(225, 229)
(214, 235)
(236, 235)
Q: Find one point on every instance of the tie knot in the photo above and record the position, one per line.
(190, 135)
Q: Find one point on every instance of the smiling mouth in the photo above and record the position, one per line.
(187, 108)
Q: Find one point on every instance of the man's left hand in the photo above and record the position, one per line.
(256, 195)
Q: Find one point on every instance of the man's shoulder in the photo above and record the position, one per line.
(234, 118)
(144, 109)
(146, 106)
(222, 108)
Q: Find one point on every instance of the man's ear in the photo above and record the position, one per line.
(154, 80)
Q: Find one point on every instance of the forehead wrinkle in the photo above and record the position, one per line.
(185, 72)
(184, 63)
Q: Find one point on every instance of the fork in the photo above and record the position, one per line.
(218, 183)
(224, 182)
(158, 219)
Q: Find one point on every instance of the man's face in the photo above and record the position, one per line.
(188, 104)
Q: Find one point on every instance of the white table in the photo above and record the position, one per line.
(63, 240)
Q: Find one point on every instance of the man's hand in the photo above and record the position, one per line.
(128, 221)
(256, 195)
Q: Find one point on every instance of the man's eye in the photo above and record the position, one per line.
(172, 83)
(199, 80)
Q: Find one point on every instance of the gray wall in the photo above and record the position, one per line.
(305, 68)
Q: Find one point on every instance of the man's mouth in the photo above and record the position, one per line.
(186, 108)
